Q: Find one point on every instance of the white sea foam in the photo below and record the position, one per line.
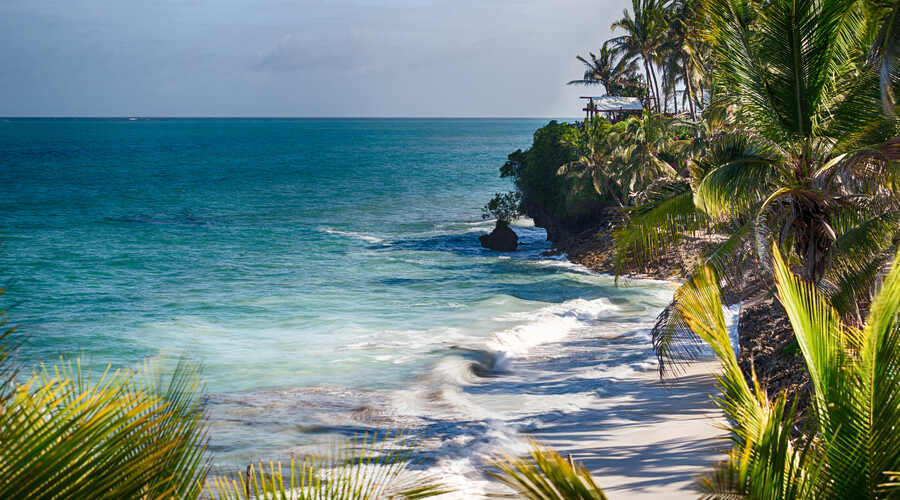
(352, 234)
(732, 317)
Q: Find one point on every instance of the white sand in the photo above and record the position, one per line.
(653, 441)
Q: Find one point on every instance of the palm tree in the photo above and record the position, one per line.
(683, 47)
(643, 33)
(824, 156)
(811, 161)
(645, 148)
(856, 404)
(607, 69)
(622, 159)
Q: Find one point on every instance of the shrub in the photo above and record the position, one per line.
(504, 207)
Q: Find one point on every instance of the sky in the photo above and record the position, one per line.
(297, 58)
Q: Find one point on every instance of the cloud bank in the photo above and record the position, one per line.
(296, 58)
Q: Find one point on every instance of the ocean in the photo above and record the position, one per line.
(326, 274)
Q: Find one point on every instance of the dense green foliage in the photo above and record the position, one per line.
(856, 375)
(534, 170)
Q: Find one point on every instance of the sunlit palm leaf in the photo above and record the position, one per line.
(65, 435)
(372, 469)
(764, 463)
(545, 475)
(856, 375)
(656, 226)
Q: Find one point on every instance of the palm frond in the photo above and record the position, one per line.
(856, 380)
(764, 463)
(885, 53)
(373, 467)
(545, 475)
(66, 435)
(674, 344)
(735, 187)
(729, 256)
(782, 72)
(879, 364)
(656, 225)
(859, 254)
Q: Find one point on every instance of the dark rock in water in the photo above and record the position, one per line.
(501, 239)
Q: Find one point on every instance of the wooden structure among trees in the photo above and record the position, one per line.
(612, 106)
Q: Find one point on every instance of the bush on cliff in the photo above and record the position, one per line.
(553, 200)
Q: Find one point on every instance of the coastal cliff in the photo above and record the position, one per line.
(581, 223)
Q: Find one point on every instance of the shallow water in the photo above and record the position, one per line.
(326, 273)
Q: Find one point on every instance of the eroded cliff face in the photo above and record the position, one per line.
(562, 228)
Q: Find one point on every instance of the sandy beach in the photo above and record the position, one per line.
(652, 441)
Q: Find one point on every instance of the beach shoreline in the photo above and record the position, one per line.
(654, 441)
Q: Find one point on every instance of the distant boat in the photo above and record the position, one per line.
(132, 119)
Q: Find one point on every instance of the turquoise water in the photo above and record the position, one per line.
(313, 267)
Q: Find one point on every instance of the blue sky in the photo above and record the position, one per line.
(296, 58)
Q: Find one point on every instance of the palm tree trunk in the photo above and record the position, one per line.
(688, 86)
(655, 84)
(649, 84)
(674, 96)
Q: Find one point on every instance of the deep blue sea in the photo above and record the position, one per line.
(326, 273)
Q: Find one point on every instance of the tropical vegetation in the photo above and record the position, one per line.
(769, 126)
(770, 132)
(854, 445)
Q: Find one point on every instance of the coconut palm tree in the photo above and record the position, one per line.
(622, 159)
(644, 28)
(856, 403)
(608, 69)
(646, 148)
(683, 48)
(803, 151)
(792, 78)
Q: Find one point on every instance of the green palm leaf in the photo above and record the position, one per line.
(65, 435)
(545, 475)
(375, 467)
(656, 225)
(764, 463)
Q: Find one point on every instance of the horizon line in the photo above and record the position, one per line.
(99, 117)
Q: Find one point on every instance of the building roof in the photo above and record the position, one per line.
(615, 103)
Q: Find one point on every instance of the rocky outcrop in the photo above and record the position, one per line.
(501, 239)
